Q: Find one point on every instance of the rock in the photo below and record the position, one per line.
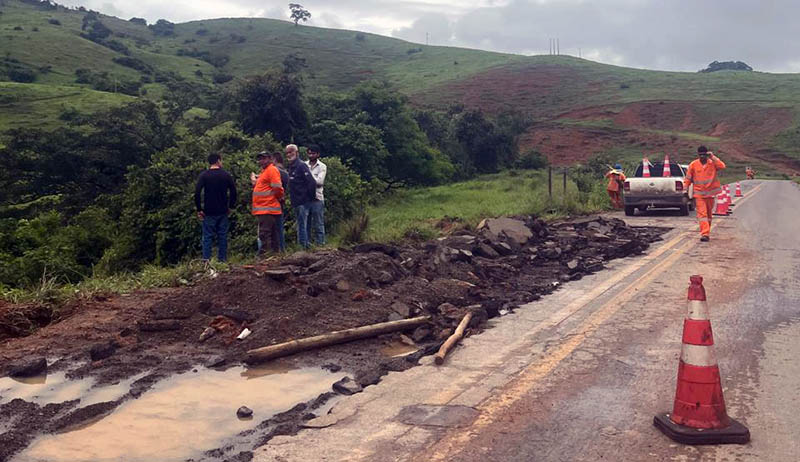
(103, 350)
(592, 265)
(244, 412)
(421, 333)
(463, 255)
(278, 274)
(304, 259)
(385, 277)
(30, 369)
(401, 308)
(551, 253)
(332, 367)
(485, 251)
(359, 295)
(394, 317)
(444, 334)
(508, 228)
(404, 339)
(573, 265)
(376, 247)
(314, 290)
(216, 361)
(347, 386)
(502, 248)
(317, 266)
(207, 334)
(284, 294)
(342, 285)
(158, 326)
(236, 314)
(449, 310)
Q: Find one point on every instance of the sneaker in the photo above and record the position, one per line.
(704, 238)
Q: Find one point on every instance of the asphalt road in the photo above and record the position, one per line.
(579, 375)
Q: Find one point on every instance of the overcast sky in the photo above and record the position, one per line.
(682, 35)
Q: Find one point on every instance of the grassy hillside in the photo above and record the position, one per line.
(580, 108)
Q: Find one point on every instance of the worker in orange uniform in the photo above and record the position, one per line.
(267, 193)
(750, 173)
(702, 174)
(615, 180)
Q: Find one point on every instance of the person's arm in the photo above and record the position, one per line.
(717, 162)
(276, 184)
(197, 193)
(231, 193)
(311, 183)
(689, 177)
(320, 178)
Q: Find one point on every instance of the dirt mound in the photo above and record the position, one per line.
(491, 270)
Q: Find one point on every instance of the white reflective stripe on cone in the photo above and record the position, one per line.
(698, 355)
(698, 310)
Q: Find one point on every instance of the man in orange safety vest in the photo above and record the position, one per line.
(702, 174)
(267, 193)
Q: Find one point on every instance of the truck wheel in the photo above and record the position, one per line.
(630, 210)
(684, 210)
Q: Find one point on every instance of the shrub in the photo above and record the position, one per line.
(117, 46)
(531, 160)
(54, 21)
(18, 28)
(360, 37)
(201, 32)
(133, 63)
(140, 21)
(21, 75)
(221, 77)
(163, 28)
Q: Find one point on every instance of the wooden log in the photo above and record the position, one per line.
(332, 338)
(453, 339)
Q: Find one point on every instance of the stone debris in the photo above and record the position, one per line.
(347, 386)
(244, 412)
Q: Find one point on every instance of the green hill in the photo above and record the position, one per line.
(580, 108)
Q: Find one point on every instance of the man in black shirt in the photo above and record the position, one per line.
(219, 198)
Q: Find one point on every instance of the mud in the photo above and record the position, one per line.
(301, 295)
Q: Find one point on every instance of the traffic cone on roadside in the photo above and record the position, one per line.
(645, 168)
(698, 415)
(721, 204)
(726, 189)
(738, 189)
(667, 169)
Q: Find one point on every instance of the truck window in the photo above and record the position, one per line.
(657, 169)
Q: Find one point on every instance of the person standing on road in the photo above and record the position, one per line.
(317, 207)
(218, 192)
(278, 159)
(702, 174)
(267, 193)
(302, 190)
(615, 180)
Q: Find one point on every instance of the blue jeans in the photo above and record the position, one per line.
(215, 226)
(317, 225)
(301, 215)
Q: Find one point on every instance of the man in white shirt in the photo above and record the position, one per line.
(317, 206)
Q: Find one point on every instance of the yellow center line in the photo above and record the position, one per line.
(749, 195)
(494, 407)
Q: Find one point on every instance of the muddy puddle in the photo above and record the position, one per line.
(182, 417)
(56, 388)
(398, 349)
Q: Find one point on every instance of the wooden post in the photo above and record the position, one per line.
(331, 338)
(453, 339)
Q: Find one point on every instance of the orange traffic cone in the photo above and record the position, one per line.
(699, 415)
(738, 189)
(726, 189)
(645, 168)
(721, 204)
(667, 170)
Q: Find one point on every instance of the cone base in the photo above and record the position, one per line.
(736, 433)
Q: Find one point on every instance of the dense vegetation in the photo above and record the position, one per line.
(112, 191)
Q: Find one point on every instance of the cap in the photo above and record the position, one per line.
(618, 166)
(702, 150)
(263, 154)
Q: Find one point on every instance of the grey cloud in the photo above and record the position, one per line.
(436, 27)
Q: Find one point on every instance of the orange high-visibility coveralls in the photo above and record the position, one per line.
(615, 178)
(706, 188)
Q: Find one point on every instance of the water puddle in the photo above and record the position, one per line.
(398, 349)
(56, 388)
(185, 415)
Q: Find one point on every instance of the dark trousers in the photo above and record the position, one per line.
(268, 233)
(215, 226)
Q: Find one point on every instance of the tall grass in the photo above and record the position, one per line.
(420, 211)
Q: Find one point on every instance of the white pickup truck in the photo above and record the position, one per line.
(657, 191)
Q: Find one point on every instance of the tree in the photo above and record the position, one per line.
(299, 13)
(271, 103)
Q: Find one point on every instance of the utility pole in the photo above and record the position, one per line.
(579, 52)
(427, 38)
(558, 47)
